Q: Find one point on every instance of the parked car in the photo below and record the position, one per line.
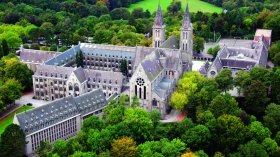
(29, 104)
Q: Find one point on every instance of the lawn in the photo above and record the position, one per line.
(194, 5)
(9, 119)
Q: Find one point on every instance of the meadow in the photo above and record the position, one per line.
(9, 119)
(194, 5)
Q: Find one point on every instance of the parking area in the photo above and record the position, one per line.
(27, 98)
(241, 43)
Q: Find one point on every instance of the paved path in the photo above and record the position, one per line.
(172, 117)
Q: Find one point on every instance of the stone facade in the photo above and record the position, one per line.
(60, 119)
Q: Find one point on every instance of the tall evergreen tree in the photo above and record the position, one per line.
(123, 67)
(5, 47)
(80, 59)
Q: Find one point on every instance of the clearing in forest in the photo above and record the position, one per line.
(194, 5)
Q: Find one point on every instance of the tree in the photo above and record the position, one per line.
(21, 73)
(63, 48)
(231, 131)
(223, 104)
(92, 122)
(60, 148)
(197, 137)
(120, 130)
(12, 141)
(201, 153)
(155, 117)
(44, 48)
(272, 118)
(5, 47)
(258, 131)
(178, 129)
(135, 102)
(44, 148)
(178, 100)
(138, 120)
(270, 146)
(103, 36)
(124, 147)
(252, 149)
(80, 59)
(261, 74)
(256, 100)
(225, 80)
(53, 47)
(198, 44)
(275, 81)
(123, 100)
(12, 90)
(123, 67)
(35, 46)
(115, 115)
(242, 80)
(277, 137)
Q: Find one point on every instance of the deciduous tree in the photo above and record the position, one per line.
(138, 120)
(252, 148)
(225, 80)
(124, 147)
(12, 141)
(272, 118)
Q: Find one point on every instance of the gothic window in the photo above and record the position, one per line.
(154, 103)
(140, 81)
(144, 92)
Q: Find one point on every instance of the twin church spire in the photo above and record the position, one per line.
(186, 32)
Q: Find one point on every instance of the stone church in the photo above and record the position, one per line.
(153, 71)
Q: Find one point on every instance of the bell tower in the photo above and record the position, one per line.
(186, 42)
(158, 29)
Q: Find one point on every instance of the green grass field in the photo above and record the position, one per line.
(9, 120)
(194, 5)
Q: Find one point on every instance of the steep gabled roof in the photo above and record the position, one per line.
(79, 72)
(152, 65)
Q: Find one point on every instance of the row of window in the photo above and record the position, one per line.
(53, 133)
(88, 54)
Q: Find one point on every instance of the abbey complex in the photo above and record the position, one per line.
(153, 73)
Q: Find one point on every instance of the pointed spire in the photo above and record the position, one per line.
(159, 19)
(187, 19)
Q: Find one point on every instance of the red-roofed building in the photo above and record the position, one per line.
(265, 32)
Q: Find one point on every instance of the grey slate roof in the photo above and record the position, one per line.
(203, 69)
(163, 87)
(54, 71)
(141, 53)
(203, 55)
(107, 77)
(47, 115)
(65, 56)
(113, 51)
(36, 56)
(171, 43)
(79, 72)
(218, 64)
(236, 63)
(172, 57)
(90, 102)
(152, 65)
(159, 19)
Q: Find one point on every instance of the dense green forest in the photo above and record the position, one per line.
(216, 125)
(110, 23)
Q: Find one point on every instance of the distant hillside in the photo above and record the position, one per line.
(194, 5)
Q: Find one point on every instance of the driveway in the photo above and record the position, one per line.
(27, 98)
